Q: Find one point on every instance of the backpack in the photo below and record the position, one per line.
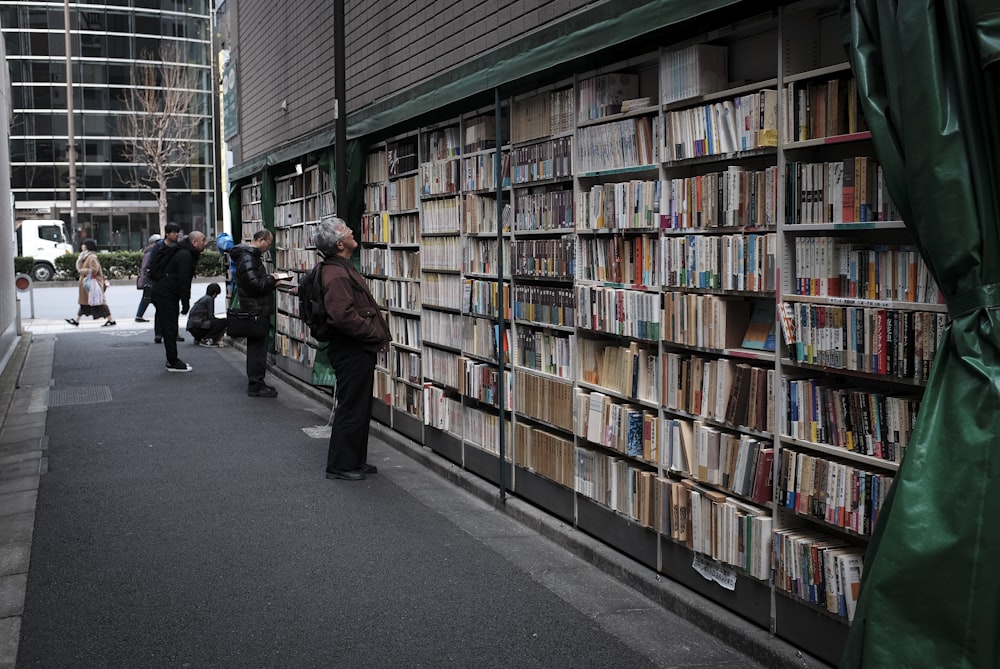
(311, 309)
(158, 263)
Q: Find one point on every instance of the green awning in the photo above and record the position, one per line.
(587, 32)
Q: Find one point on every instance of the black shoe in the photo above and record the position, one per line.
(72, 321)
(369, 469)
(158, 340)
(179, 338)
(140, 319)
(179, 366)
(347, 475)
(266, 391)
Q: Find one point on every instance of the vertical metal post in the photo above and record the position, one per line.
(70, 135)
(340, 128)
(501, 325)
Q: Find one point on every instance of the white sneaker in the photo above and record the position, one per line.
(179, 367)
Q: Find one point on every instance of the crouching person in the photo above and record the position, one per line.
(202, 323)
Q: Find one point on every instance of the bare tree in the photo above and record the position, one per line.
(159, 127)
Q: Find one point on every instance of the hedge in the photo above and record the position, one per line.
(125, 264)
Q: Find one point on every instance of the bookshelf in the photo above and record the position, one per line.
(301, 200)
(717, 330)
(251, 216)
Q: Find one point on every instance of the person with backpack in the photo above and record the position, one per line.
(255, 294)
(172, 270)
(358, 331)
(142, 281)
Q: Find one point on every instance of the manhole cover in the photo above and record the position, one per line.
(61, 397)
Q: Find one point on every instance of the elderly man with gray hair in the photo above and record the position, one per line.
(359, 333)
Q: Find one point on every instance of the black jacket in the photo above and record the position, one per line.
(178, 273)
(254, 284)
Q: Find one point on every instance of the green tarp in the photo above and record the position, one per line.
(926, 73)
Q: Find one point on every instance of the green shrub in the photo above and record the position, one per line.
(126, 264)
(23, 264)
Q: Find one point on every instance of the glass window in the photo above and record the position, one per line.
(52, 233)
(18, 177)
(41, 176)
(147, 47)
(95, 98)
(119, 74)
(119, 47)
(92, 20)
(93, 45)
(119, 22)
(37, 18)
(148, 25)
(94, 73)
(97, 151)
(97, 124)
(45, 151)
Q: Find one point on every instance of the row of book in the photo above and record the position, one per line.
(439, 253)
(721, 389)
(828, 108)
(619, 206)
(545, 304)
(549, 210)
(396, 294)
(480, 172)
(395, 263)
(441, 368)
(829, 266)
(616, 311)
(617, 145)
(440, 177)
(480, 215)
(738, 463)
(737, 197)
(406, 365)
(481, 256)
(552, 258)
(818, 569)
(482, 338)
(544, 399)
(743, 123)
(442, 290)
(601, 96)
(844, 191)
(442, 143)
(481, 298)
(706, 321)
(542, 115)
(441, 217)
(551, 159)
(383, 228)
(401, 194)
(858, 420)
(543, 352)
(626, 428)
(545, 454)
(695, 70)
(442, 328)
(887, 342)
(405, 331)
(376, 168)
(726, 262)
(837, 493)
(634, 261)
(483, 382)
(401, 156)
(630, 371)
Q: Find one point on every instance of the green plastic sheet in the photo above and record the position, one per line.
(926, 73)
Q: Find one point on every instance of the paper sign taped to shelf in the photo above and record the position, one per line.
(713, 571)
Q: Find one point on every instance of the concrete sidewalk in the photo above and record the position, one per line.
(183, 522)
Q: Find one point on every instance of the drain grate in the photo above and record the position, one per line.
(62, 397)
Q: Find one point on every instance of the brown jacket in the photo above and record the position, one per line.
(351, 309)
(92, 264)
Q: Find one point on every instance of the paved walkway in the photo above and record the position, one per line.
(170, 520)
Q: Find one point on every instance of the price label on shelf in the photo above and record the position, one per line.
(713, 571)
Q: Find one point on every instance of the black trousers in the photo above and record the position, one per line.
(168, 310)
(355, 371)
(256, 362)
(216, 330)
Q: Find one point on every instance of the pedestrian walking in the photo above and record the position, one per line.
(91, 300)
(172, 293)
(255, 292)
(202, 322)
(359, 333)
(142, 281)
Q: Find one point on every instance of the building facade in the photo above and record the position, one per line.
(108, 41)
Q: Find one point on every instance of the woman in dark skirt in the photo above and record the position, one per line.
(91, 301)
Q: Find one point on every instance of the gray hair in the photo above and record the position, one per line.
(330, 231)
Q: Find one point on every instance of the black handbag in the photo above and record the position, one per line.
(249, 324)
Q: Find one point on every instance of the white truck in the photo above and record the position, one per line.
(44, 240)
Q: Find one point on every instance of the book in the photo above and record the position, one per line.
(759, 334)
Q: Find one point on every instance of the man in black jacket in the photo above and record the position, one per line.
(255, 288)
(173, 289)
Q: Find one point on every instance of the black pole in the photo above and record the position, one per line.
(501, 325)
(340, 92)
